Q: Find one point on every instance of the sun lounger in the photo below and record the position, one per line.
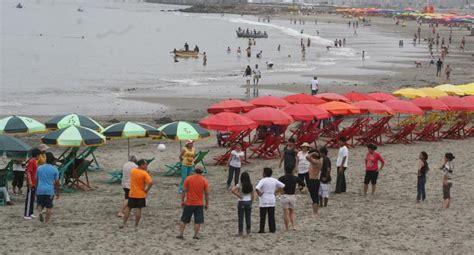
(403, 135)
(430, 133)
(455, 131)
(269, 149)
(331, 129)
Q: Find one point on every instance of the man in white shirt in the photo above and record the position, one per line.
(314, 86)
(341, 164)
(266, 189)
(126, 168)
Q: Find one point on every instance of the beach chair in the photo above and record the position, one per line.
(199, 159)
(373, 135)
(348, 133)
(115, 177)
(430, 133)
(469, 131)
(382, 123)
(403, 135)
(173, 169)
(455, 131)
(269, 149)
(332, 129)
(406, 121)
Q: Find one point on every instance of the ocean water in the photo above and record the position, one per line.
(55, 59)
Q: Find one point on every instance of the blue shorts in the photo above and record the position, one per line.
(45, 201)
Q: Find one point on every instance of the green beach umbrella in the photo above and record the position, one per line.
(182, 130)
(74, 136)
(73, 119)
(13, 147)
(130, 130)
(20, 125)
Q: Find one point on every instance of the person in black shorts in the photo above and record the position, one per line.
(372, 167)
(314, 159)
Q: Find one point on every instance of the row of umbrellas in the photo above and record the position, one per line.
(73, 130)
(270, 110)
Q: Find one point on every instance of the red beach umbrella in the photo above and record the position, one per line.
(227, 122)
(231, 105)
(340, 108)
(333, 97)
(304, 99)
(381, 97)
(269, 101)
(269, 116)
(457, 104)
(430, 104)
(356, 96)
(406, 107)
(374, 107)
(305, 112)
(469, 99)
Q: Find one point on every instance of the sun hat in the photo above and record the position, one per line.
(305, 145)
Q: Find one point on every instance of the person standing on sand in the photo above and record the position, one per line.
(423, 169)
(126, 168)
(325, 178)
(140, 184)
(244, 191)
(341, 165)
(288, 199)
(48, 186)
(42, 157)
(372, 167)
(195, 188)
(31, 170)
(187, 162)
(289, 155)
(448, 72)
(314, 159)
(314, 86)
(266, 189)
(448, 169)
(234, 164)
(439, 66)
(303, 163)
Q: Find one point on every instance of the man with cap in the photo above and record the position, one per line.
(195, 188)
(187, 162)
(126, 169)
(48, 186)
(140, 184)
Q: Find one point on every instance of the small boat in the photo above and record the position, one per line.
(186, 54)
(243, 34)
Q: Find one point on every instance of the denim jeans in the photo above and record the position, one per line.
(244, 210)
(420, 187)
(233, 172)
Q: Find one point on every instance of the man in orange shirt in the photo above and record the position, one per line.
(140, 184)
(194, 187)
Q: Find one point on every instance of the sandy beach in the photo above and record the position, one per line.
(390, 222)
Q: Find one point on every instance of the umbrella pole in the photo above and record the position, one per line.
(128, 146)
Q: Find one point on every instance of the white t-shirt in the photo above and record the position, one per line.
(343, 152)
(303, 163)
(235, 160)
(126, 168)
(18, 167)
(267, 186)
(245, 197)
(314, 85)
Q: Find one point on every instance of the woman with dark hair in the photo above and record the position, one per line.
(372, 167)
(244, 191)
(288, 199)
(447, 169)
(423, 169)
